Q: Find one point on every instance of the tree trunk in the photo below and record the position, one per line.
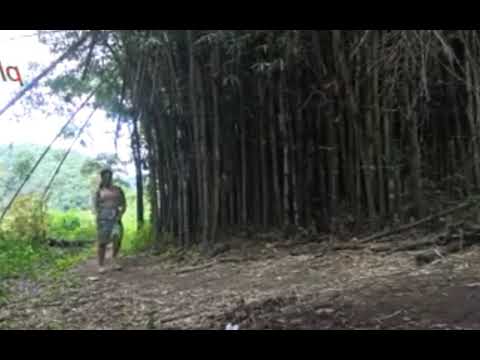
(263, 162)
(284, 140)
(243, 136)
(380, 165)
(197, 154)
(137, 158)
(216, 146)
(204, 163)
(277, 203)
(415, 157)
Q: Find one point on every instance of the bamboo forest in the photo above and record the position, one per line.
(257, 180)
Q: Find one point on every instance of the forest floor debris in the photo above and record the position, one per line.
(316, 288)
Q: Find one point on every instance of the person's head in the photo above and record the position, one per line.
(106, 177)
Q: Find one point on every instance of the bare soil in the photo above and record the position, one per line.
(268, 287)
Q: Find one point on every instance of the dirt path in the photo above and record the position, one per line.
(339, 290)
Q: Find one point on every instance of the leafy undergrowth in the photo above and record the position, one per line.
(22, 255)
(27, 231)
(79, 225)
(76, 225)
(22, 261)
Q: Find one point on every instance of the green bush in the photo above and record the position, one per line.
(78, 225)
(136, 240)
(23, 249)
(16, 257)
(26, 221)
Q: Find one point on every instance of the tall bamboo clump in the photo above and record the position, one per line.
(302, 127)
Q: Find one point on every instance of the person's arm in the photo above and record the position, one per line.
(122, 202)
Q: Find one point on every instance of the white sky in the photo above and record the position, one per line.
(19, 48)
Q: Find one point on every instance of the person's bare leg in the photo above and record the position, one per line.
(102, 249)
(116, 248)
(117, 244)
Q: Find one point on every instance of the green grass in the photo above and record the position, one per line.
(19, 260)
(78, 225)
(18, 257)
(23, 255)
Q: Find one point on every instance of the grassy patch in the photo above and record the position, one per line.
(25, 254)
(79, 225)
(20, 259)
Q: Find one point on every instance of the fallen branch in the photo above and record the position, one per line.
(387, 317)
(231, 260)
(245, 259)
(68, 244)
(319, 255)
(178, 317)
(427, 257)
(348, 247)
(291, 244)
(428, 219)
(195, 268)
(417, 245)
(412, 245)
(431, 255)
(381, 248)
